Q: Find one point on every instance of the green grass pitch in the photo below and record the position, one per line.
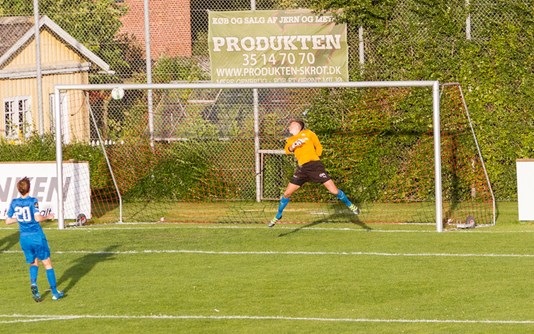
(246, 278)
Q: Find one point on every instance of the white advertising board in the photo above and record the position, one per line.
(44, 185)
(525, 189)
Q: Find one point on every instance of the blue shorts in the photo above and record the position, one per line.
(34, 246)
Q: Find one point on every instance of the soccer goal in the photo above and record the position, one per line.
(405, 152)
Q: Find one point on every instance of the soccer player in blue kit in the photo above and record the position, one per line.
(25, 211)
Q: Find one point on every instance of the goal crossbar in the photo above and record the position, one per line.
(362, 84)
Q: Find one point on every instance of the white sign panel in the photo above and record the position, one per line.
(44, 185)
(525, 189)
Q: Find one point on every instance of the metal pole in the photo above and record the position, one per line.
(149, 73)
(257, 162)
(59, 160)
(361, 48)
(468, 21)
(257, 145)
(437, 156)
(291, 85)
(38, 69)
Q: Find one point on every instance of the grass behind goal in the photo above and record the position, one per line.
(325, 278)
(261, 213)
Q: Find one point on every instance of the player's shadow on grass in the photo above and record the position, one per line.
(83, 265)
(340, 215)
(8, 242)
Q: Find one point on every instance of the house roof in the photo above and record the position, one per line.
(16, 31)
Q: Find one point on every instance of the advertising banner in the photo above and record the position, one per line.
(44, 185)
(525, 189)
(277, 46)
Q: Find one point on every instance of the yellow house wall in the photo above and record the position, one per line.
(77, 110)
(53, 53)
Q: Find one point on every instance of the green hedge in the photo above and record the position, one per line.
(37, 149)
(425, 40)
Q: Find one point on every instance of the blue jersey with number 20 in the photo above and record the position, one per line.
(32, 238)
(24, 210)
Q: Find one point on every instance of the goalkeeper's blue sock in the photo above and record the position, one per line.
(342, 197)
(51, 275)
(282, 206)
(33, 274)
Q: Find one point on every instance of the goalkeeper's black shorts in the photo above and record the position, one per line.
(312, 171)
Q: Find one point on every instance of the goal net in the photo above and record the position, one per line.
(213, 153)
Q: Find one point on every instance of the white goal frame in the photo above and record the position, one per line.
(363, 84)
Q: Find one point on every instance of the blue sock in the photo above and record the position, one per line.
(281, 206)
(51, 275)
(33, 274)
(342, 197)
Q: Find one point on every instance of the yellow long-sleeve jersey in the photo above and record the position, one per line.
(310, 150)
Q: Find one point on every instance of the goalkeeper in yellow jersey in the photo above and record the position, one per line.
(307, 149)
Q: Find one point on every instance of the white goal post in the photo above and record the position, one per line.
(369, 84)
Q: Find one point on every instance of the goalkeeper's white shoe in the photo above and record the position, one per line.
(274, 221)
(354, 209)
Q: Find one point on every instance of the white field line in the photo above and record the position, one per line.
(38, 319)
(286, 226)
(152, 226)
(270, 253)
(19, 318)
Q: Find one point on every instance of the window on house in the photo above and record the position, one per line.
(17, 118)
